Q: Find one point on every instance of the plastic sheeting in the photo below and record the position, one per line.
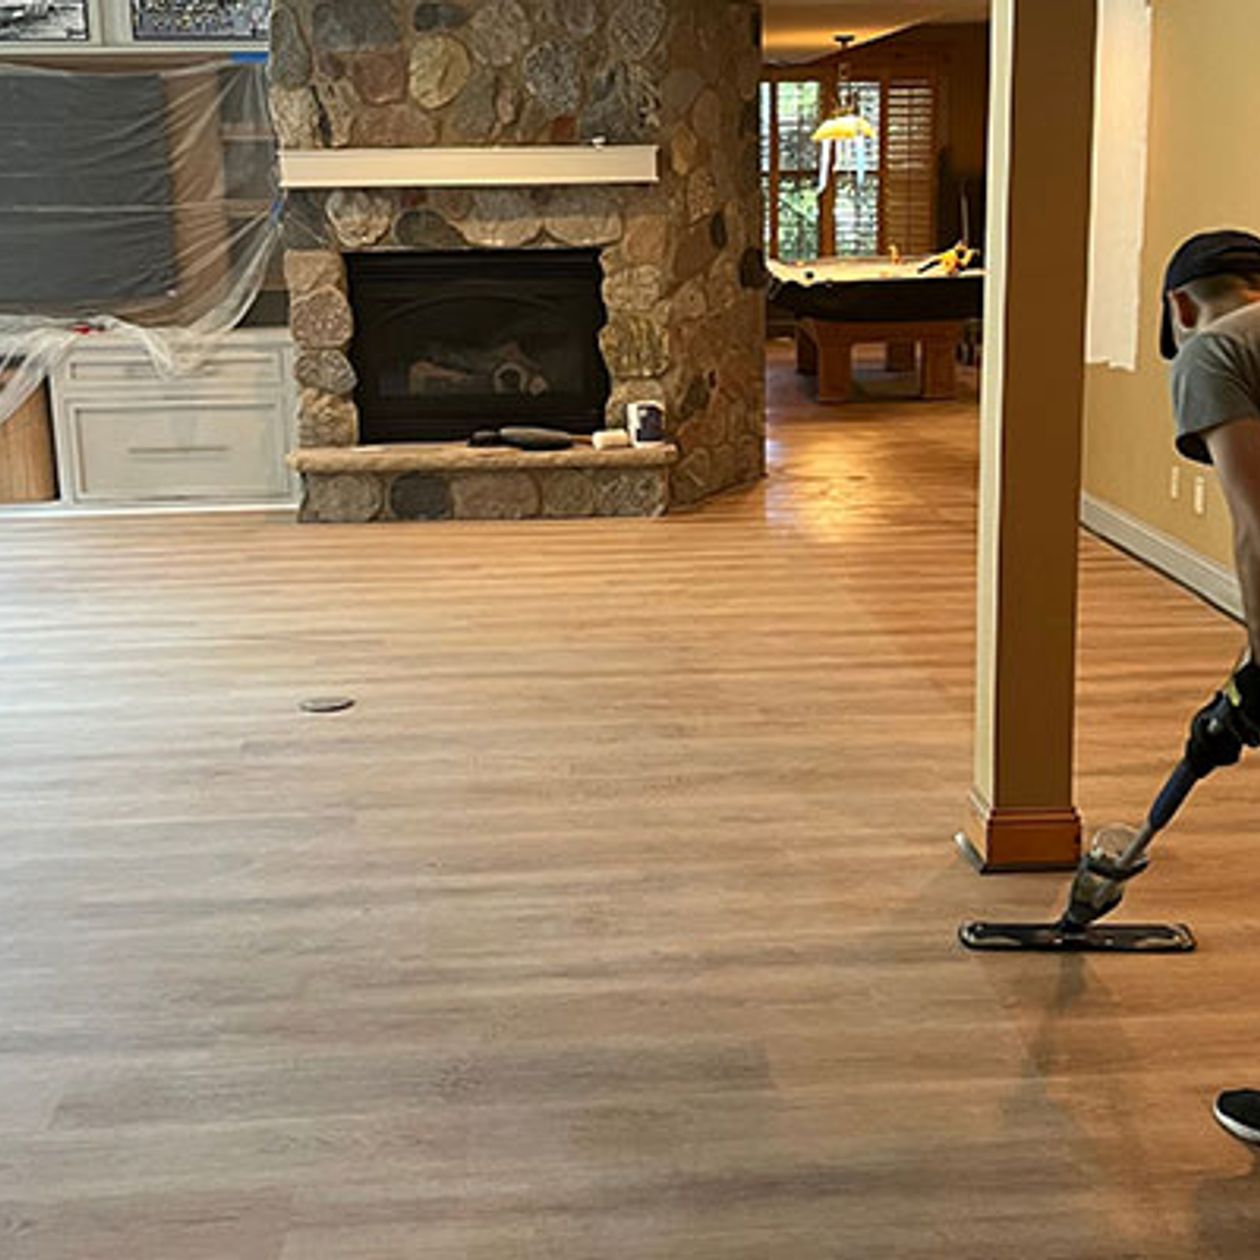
(143, 204)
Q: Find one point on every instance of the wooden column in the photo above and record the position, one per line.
(1022, 814)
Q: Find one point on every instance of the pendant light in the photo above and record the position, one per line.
(845, 122)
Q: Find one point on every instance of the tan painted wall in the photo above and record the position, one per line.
(1204, 173)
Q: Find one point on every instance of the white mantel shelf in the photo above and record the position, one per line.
(501, 167)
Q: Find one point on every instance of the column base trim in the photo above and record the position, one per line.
(998, 839)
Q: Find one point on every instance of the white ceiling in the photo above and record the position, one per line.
(801, 30)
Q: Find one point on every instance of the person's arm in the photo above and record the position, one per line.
(1235, 450)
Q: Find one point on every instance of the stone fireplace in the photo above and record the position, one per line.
(423, 310)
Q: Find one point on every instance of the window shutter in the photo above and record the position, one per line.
(909, 167)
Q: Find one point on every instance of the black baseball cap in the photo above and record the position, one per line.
(1225, 253)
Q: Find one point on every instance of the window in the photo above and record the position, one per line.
(858, 181)
(798, 111)
(789, 163)
(880, 196)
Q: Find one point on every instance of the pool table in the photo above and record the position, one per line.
(838, 303)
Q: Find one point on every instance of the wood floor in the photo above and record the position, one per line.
(616, 921)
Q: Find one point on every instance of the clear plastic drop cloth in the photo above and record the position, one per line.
(145, 204)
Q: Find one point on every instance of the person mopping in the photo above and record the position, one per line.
(1211, 331)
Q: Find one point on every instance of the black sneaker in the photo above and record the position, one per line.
(1238, 1112)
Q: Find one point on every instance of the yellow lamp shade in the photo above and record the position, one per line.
(844, 127)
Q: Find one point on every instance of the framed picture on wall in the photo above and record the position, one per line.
(47, 22)
(196, 21)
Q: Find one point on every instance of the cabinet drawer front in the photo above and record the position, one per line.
(226, 369)
(217, 448)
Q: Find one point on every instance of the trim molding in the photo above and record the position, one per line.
(492, 167)
(999, 838)
(282, 509)
(1205, 578)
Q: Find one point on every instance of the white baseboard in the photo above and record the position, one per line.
(58, 510)
(1206, 578)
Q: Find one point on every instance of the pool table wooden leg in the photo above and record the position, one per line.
(806, 352)
(940, 376)
(900, 356)
(834, 346)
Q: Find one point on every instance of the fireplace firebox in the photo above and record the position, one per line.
(449, 343)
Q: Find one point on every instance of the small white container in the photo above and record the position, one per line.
(610, 439)
(645, 422)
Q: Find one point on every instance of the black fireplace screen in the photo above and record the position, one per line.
(446, 344)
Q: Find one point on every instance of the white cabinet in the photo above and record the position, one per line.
(127, 437)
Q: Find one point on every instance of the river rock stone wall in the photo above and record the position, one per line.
(683, 270)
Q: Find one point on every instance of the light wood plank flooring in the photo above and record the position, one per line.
(616, 921)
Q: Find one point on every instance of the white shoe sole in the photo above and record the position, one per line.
(1243, 1132)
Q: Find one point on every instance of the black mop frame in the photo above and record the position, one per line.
(1099, 938)
(1067, 936)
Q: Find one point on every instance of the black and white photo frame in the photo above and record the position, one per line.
(65, 23)
(199, 21)
(39, 26)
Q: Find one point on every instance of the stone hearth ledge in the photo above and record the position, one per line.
(439, 481)
(442, 457)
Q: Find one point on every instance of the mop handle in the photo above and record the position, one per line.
(1167, 803)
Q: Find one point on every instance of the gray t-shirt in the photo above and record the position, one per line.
(1216, 378)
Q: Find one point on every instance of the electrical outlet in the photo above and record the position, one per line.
(1200, 496)
(1174, 482)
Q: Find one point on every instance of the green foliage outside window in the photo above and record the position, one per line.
(794, 112)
